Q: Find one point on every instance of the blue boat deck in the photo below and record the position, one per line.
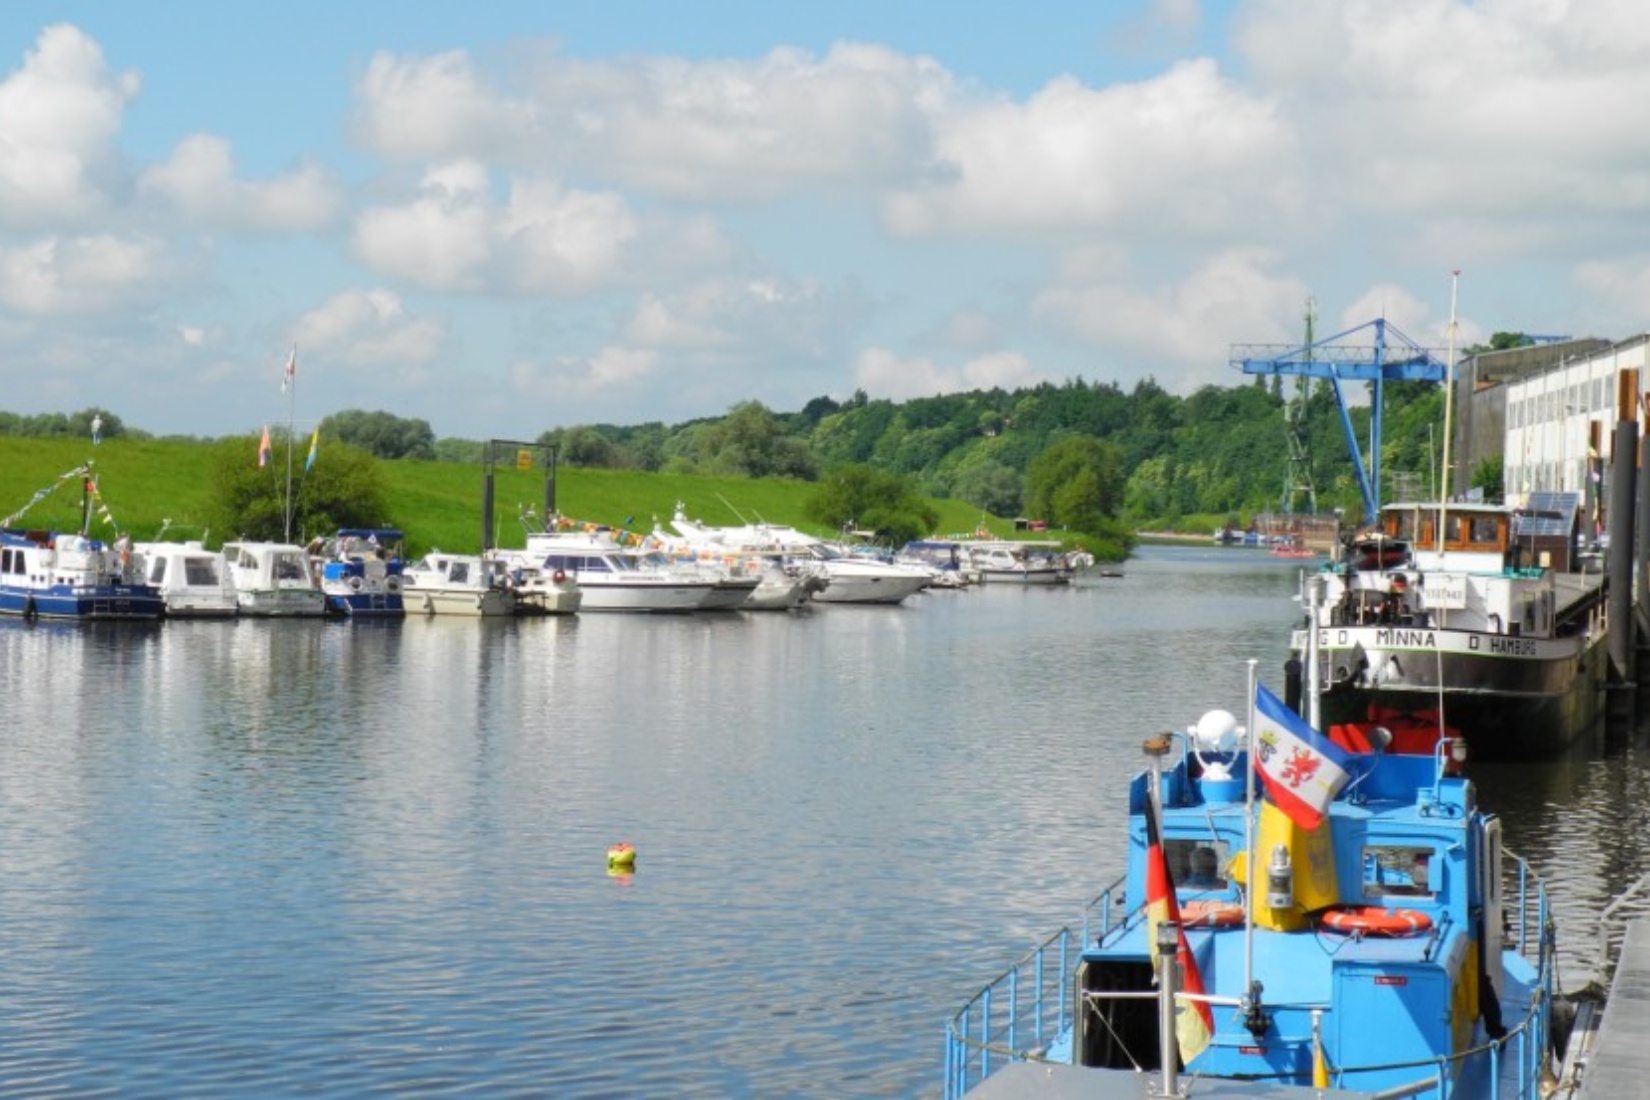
(1045, 1081)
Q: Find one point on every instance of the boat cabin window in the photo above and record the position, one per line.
(459, 572)
(287, 568)
(1400, 869)
(202, 571)
(1196, 864)
(157, 571)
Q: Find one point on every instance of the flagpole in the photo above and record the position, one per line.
(1449, 406)
(1253, 866)
(290, 384)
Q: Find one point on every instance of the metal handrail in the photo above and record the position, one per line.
(1631, 903)
(1021, 1028)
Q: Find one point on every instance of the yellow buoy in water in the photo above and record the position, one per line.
(621, 856)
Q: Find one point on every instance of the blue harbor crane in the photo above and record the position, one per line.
(1375, 352)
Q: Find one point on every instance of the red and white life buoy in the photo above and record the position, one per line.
(1211, 913)
(1373, 920)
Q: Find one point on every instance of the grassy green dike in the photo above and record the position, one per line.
(146, 482)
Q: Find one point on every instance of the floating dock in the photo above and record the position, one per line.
(1616, 1061)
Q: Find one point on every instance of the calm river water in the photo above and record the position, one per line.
(333, 860)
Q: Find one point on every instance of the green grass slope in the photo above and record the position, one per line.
(144, 483)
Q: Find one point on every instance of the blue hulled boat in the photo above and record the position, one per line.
(49, 575)
(1339, 916)
(361, 573)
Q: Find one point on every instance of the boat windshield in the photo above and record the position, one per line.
(201, 571)
(289, 566)
(1399, 869)
(1197, 864)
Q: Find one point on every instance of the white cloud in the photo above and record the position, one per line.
(370, 329)
(1179, 155)
(720, 131)
(59, 117)
(77, 276)
(1464, 132)
(436, 108)
(199, 181)
(884, 375)
(1182, 329)
(612, 371)
(543, 238)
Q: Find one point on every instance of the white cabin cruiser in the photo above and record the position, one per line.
(193, 580)
(273, 580)
(457, 584)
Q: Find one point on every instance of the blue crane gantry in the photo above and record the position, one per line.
(1391, 357)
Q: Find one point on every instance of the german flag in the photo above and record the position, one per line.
(1194, 1022)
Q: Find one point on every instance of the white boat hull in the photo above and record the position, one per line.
(870, 588)
(419, 600)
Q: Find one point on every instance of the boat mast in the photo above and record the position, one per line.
(1449, 406)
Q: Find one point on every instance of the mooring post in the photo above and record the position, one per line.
(1623, 467)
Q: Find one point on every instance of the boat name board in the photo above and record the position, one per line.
(1410, 638)
(1444, 593)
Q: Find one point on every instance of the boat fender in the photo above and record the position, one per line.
(30, 612)
(558, 576)
(355, 584)
(392, 585)
(1373, 920)
(1211, 913)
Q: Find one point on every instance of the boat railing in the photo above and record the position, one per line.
(1626, 907)
(1017, 1015)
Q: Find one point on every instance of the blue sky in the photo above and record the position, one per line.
(507, 217)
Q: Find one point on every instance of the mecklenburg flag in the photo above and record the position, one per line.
(1303, 771)
(314, 445)
(265, 451)
(1194, 1023)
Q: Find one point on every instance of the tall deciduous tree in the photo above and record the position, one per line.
(1077, 483)
(871, 500)
(380, 433)
(342, 489)
(751, 442)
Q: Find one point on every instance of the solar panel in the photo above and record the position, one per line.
(1547, 514)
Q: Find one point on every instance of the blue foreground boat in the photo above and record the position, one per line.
(361, 574)
(1392, 948)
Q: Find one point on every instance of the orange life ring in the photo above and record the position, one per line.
(558, 576)
(1373, 920)
(1211, 913)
